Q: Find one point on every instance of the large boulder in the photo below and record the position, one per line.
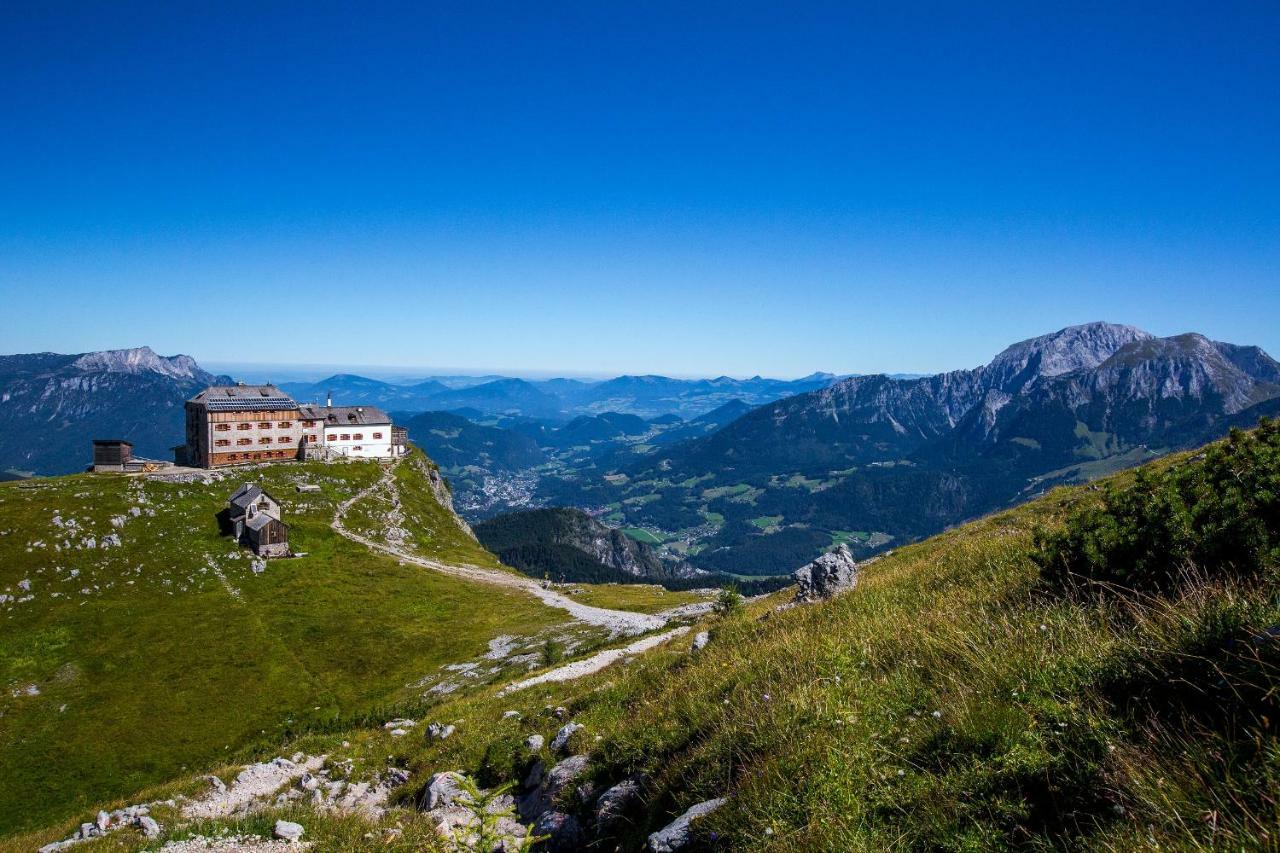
(831, 574)
(445, 789)
(287, 830)
(678, 834)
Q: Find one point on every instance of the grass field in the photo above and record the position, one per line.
(641, 535)
(169, 651)
(641, 598)
(943, 705)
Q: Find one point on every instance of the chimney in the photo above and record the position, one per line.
(328, 399)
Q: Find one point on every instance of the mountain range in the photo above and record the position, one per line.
(873, 460)
(560, 400)
(53, 405)
(754, 484)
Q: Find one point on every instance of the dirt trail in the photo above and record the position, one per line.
(596, 662)
(617, 621)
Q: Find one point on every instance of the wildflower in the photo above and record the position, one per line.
(937, 715)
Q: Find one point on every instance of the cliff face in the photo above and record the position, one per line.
(1109, 377)
(569, 542)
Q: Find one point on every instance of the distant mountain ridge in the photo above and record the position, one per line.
(1111, 377)
(648, 396)
(53, 405)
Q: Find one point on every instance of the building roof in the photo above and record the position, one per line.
(112, 441)
(243, 398)
(261, 520)
(346, 415)
(247, 494)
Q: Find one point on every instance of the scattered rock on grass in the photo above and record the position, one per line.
(444, 789)
(561, 739)
(287, 830)
(562, 832)
(619, 801)
(678, 834)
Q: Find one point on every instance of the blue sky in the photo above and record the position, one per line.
(680, 188)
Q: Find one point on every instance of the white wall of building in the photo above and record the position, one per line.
(364, 441)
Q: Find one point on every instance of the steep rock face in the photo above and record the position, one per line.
(1164, 392)
(52, 406)
(440, 490)
(1064, 351)
(568, 543)
(139, 360)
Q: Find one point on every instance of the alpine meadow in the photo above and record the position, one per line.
(665, 428)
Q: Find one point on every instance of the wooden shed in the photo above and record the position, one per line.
(111, 454)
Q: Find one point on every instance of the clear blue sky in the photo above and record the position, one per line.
(685, 188)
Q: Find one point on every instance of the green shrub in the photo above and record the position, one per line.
(729, 601)
(1217, 515)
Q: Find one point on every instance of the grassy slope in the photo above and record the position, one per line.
(942, 705)
(638, 597)
(159, 666)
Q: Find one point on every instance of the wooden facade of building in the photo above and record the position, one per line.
(239, 424)
(232, 425)
(111, 454)
(255, 521)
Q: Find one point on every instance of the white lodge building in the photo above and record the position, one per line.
(358, 431)
(235, 424)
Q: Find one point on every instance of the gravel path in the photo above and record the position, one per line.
(595, 663)
(617, 621)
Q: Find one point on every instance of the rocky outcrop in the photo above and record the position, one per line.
(543, 787)
(827, 576)
(440, 490)
(679, 834)
(568, 544)
(619, 802)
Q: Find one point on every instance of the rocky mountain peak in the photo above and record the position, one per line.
(139, 360)
(1074, 348)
